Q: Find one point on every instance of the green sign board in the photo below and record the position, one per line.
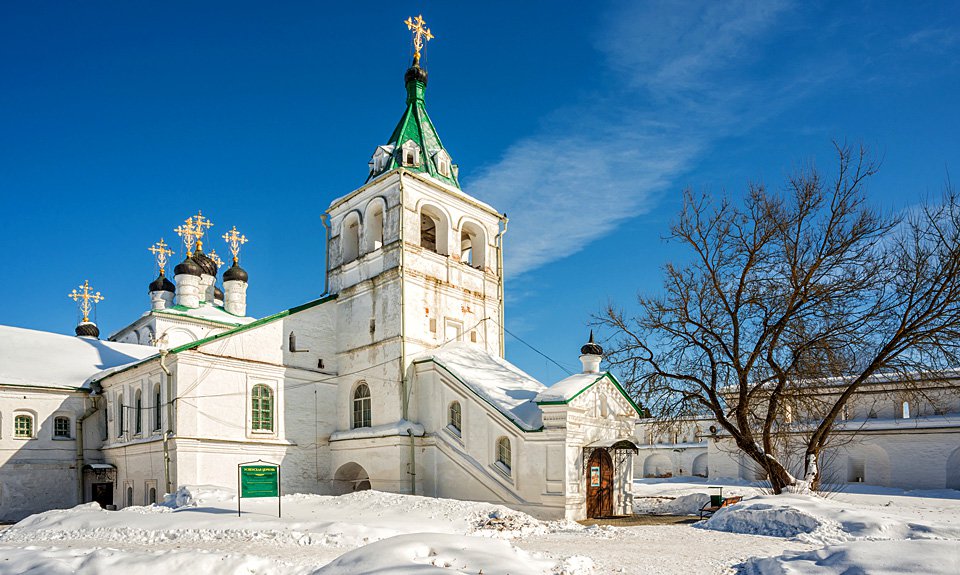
(259, 481)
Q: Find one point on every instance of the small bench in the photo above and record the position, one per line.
(709, 508)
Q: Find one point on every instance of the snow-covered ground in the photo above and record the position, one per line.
(197, 530)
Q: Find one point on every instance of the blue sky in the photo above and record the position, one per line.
(582, 121)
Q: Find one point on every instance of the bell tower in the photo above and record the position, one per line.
(415, 262)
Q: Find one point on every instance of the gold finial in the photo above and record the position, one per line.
(193, 230)
(160, 251)
(235, 240)
(216, 259)
(421, 34)
(86, 298)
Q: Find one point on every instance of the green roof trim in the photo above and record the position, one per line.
(253, 324)
(228, 333)
(485, 400)
(415, 126)
(615, 383)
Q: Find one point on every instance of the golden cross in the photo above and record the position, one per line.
(160, 251)
(186, 232)
(420, 35)
(86, 298)
(235, 240)
(216, 259)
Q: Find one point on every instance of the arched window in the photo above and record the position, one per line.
(157, 408)
(129, 495)
(361, 406)
(434, 230)
(23, 426)
(455, 417)
(410, 153)
(261, 407)
(138, 414)
(61, 427)
(152, 497)
(350, 237)
(373, 226)
(120, 415)
(503, 453)
(905, 410)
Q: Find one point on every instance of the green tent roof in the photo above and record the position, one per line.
(415, 126)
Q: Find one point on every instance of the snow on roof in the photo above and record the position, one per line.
(43, 359)
(568, 388)
(502, 384)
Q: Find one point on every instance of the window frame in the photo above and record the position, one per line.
(361, 407)
(157, 408)
(257, 409)
(505, 466)
(455, 426)
(138, 412)
(57, 419)
(31, 427)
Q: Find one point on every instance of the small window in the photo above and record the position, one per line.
(905, 410)
(129, 495)
(361, 406)
(411, 153)
(23, 426)
(157, 408)
(504, 456)
(61, 427)
(262, 408)
(455, 417)
(120, 415)
(138, 413)
(443, 164)
(152, 497)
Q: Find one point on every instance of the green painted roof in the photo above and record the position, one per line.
(415, 126)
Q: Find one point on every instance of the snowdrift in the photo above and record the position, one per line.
(820, 521)
(873, 557)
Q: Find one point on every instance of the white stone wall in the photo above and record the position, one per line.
(40, 473)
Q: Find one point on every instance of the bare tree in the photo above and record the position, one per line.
(785, 296)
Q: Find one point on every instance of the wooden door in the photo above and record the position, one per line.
(600, 484)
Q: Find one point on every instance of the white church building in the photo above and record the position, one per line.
(394, 379)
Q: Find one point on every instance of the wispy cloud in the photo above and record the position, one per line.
(685, 63)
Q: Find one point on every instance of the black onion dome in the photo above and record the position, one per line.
(235, 273)
(187, 267)
(207, 265)
(87, 329)
(162, 284)
(591, 348)
(415, 73)
(217, 293)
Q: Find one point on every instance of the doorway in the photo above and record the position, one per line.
(600, 484)
(102, 493)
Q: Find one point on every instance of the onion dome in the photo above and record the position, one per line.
(207, 265)
(235, 273)
(187, 267)
(87, 329)
(217, 294)
(162, 284)
(591, 348)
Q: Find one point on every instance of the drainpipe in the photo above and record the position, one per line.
(503, 232)
(326, 253)
(405, 389)
(168, 487)
(87, 413)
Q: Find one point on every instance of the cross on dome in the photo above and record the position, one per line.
(235, 239)
(421, 35)
(160, 252)
(86, 299)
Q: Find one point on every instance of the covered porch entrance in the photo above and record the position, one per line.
(607, 465)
